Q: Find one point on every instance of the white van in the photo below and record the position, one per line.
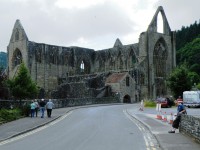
(191, 98)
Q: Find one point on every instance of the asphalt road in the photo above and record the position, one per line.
(94, 128)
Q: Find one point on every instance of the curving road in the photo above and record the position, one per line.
(93, 128)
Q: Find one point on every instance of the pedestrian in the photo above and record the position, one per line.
(49, 107)
(141, 105)
(180, 110)
(42, 107)
(32, 109)
(36, 107)
(179, 99)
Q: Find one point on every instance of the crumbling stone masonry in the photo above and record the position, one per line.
(148, 62)
(190, 125)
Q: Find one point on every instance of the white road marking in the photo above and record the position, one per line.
(35, 130)
(150, 140)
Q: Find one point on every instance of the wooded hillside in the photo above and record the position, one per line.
(188, 47)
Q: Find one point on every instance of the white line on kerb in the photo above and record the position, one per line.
(35, 130)
(146, 133)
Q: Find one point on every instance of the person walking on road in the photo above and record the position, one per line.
(42, 107)
(141, 105)
(49, 107)
(32, 109)
(180, 110)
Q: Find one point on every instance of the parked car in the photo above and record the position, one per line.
(165, 102)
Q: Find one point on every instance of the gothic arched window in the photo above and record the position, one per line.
(17, 35)
(160, 58)
(17, 58)
(82, 66)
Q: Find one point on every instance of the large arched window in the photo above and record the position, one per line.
(17, 58)
(160, 58)
(84, 67)
(160, 24)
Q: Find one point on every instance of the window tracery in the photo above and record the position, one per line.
(160, 57)
(17, 58)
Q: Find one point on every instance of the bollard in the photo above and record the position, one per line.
(165, 117)
(171, 120)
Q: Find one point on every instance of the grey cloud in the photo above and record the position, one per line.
(49, 24)
(89, 23)
(181, 12)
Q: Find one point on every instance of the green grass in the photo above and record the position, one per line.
(149, 103)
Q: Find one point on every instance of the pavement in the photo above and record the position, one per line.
(159, 129)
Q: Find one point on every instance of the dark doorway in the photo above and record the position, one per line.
(127, 99)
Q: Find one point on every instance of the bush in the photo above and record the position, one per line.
(149, 103)
(26, 110)
(7, 115)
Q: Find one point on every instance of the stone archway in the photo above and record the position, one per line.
(127, 99)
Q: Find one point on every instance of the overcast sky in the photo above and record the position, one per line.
(92, 24)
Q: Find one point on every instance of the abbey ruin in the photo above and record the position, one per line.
(132, 72)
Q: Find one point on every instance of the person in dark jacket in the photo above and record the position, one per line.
(42, 107)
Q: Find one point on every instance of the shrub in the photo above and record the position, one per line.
(26, 110)
(7, 115)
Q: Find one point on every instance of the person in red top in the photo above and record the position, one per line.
(179, 99)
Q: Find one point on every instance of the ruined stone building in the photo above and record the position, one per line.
(81, 72)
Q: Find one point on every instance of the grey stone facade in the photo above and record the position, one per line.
(148, 62)
(190, 125)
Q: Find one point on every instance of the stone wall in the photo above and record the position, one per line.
(61, 103)
(70, 102)
(190, 125)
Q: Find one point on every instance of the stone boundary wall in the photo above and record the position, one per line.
(70, 102)
(61, 103)
(190, 125)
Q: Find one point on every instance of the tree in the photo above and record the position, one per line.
(4, 93)
(179, 81)
(198, 86)
(22, 86)
(194, 77)
(190, 53)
